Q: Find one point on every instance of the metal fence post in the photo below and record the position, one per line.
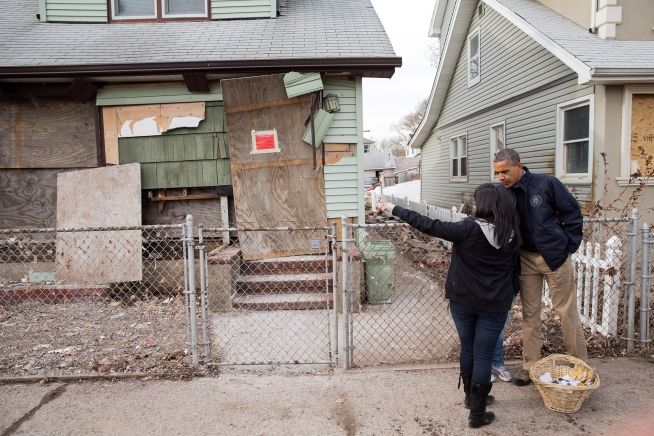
(191, 288)
(346, 289)
(630, 307)
(644, 289)
(335, 290)
(203, 292)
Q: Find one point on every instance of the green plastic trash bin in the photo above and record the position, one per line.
(379, 257)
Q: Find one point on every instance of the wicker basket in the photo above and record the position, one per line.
(561, 398)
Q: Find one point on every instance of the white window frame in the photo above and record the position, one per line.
(454, 155)
(473, 34)
(493, 144)
(157, 4)
(201, 15)
(625, 178)
(132, 17)
(574, 178)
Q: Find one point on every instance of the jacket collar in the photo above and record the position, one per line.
(524, 180)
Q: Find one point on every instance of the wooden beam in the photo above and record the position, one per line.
(196, 82)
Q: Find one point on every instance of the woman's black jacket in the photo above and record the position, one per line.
(480, 276)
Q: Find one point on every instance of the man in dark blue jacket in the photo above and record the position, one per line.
(551, 230)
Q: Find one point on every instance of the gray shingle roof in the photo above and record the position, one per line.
(306, 29)
(590, 49)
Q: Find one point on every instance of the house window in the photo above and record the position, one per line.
(574, 144)
(459, 158)
(474, 58)
(147, 9)
(497, 143)
(637, 135)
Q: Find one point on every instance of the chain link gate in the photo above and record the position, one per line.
(268, 311)
(395, 307)
(92, 301)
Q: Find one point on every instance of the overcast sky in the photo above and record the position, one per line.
(386, 101)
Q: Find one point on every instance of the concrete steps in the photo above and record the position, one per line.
(285, 283)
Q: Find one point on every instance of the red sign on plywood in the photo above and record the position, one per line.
(265, 141)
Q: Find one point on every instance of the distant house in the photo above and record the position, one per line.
(368, 145)
(567, 84)
(212, 98)
(380, 166)
(407, 168)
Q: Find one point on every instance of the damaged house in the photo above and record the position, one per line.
(244, 112)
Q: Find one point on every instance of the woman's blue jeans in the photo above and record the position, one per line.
(478, 332)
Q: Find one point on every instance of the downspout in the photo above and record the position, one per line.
(593, 18)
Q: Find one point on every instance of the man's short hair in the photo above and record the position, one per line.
(507, 154)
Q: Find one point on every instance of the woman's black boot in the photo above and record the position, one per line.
(466, 378)
(478, 398)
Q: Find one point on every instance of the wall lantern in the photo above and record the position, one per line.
(330, 103)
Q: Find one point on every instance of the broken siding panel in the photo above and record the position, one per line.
(322, 122)
(530, 124)
(508, 68)
(182, 158)
(299, 84)
(121, 95)
(84, 11)
(233, 9)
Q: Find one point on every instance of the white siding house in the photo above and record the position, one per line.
(515, 73)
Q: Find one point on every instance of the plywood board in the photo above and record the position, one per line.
(281, 189)
(28, 198)
(642, 133)
(111, 197)
(47, 133)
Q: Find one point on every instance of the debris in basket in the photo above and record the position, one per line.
(577, 376)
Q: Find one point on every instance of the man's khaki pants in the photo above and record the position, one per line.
(564, 301)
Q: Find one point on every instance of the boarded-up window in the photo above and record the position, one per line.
(642, 134)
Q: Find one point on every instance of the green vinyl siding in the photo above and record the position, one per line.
(174, 92)
(183, 158)
(343, 129)
(341, 188)
(234, 9)
(83, 11)
(344, 179)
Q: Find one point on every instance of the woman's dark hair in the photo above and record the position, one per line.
(493, 204)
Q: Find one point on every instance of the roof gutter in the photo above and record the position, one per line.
(369, 67)
(622, 75)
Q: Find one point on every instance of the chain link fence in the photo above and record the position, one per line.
(92, 301)
(124, 300)
(270, 295)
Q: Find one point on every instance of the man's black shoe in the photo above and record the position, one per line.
(521, 378)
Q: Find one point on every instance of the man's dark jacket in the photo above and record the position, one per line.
(481, 276)
(553, 216)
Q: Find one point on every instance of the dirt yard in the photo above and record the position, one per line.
(93, 338)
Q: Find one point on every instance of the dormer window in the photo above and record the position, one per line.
(157, 9)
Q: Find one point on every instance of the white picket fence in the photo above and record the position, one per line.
(598, 271)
